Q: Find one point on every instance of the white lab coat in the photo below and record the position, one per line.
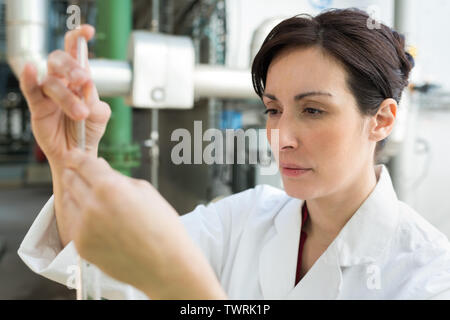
(385, 251)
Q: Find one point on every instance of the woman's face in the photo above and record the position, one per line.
(320, 127)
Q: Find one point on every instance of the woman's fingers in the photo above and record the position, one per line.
(30, 86)
(72, 105)
(40, 105)
(90, 93)
(70, 40)
(62, 65)
(70, 47)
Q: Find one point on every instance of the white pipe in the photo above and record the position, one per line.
(403, 19)
(111, 77)
(26, 27)
(27, 42)
(222, 82)
(404, 133)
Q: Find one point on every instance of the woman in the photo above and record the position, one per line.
(331, 86)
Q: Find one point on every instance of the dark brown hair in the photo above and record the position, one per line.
(375, 59)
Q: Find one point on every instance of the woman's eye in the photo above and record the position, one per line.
(312, 111)
(271, 111)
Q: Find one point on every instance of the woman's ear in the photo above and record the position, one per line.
(384, 120)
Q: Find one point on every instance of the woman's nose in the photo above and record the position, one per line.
(287, 134)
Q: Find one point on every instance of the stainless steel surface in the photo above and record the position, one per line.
(26, 34)
(112, 78)
(403, 19)
(163, 75)
(154, 134)
(27, 42)
(222, 82)
(163, 67)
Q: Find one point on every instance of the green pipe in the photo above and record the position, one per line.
(114, 23)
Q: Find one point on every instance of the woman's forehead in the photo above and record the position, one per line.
(305, 69)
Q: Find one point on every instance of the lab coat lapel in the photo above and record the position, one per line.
(278, 262)
(321, 282)
(361, 241)
(370, 230)
(278, 259)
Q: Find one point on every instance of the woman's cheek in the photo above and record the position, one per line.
(269, 126)
(338, 145)
(324, 144)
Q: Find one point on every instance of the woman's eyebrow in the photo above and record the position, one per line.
(300, 96)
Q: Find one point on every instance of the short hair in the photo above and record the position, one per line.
(375, 59)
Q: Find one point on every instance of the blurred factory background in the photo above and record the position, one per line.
(209, 45)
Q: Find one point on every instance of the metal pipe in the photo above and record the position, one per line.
(27, 42)
(154, 134)
(403, 20)
(26, 28)
(402, 172)
(400, 15)
(26, 32)
(155, 16)
(112, 77)
(222, 82)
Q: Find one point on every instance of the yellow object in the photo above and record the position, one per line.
(413, 51)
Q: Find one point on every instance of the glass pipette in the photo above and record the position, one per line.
(88, 286)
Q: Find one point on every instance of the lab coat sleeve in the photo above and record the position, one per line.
(214, 228)
(206, 226)
(218, 227)
(439, 282)
(432, 281)
(42, 252)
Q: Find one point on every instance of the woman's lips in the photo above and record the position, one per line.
(293, 170)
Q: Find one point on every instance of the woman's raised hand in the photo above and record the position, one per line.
(55, 104)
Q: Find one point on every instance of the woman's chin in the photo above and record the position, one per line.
(297, 190)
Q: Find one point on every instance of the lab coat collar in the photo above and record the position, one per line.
(278, 259)
(367, 234)
(278, 262)
(362, 240)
